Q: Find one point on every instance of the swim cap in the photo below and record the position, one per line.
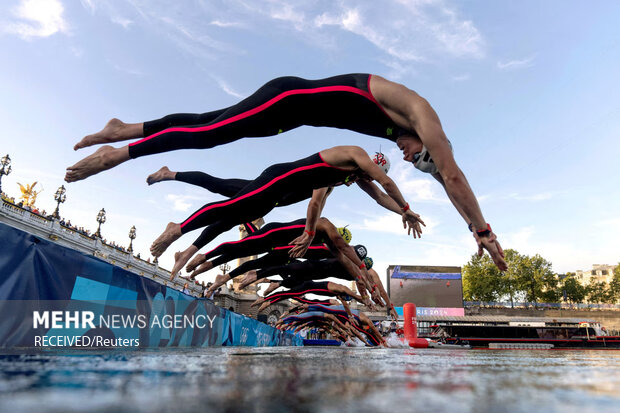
(369, 262)
(361, 251)
(424, 162)
(345, 234)
(382, 160)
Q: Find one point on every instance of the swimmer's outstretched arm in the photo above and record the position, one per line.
(347, 257)
(489, 242)
(386, 298)
(367, 321)
(342, 290)
(315, 207)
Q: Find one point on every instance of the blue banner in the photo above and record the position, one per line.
(52, 296)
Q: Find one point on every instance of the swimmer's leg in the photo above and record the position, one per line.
(164, 174)
(220, 280)
(225, 187)
(273, 285)
(170, 234)
(180, 258)
(114, 131)
(104, 158)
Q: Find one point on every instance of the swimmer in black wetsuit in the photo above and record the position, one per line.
(296, 273)
(326, 168)
(323, 288)
(225, 187)
(274, 239)
(367, 104)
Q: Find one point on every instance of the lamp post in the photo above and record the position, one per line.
(100, 220)
(224, 268)
(132, 236)
(59, 197)
(6, 168)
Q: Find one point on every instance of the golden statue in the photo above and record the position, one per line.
(29, 195)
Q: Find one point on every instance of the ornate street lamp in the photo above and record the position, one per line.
(59, 197)
(100, 220)
(224, 268)
(132, 236)
(6, 168)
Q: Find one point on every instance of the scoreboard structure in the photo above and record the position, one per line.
(435, 290)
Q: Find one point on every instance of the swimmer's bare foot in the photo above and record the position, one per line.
(263, 306)
(114, 131)
(258, 301)
(272, 286)
(195, 262)
(248, 279)
(164, 174)
(171, 234)
(180, 258)
(220, 280)
(104, 158)
(202, 268)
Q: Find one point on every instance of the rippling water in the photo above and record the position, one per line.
(312, 380)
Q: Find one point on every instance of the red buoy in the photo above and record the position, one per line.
(411, 327)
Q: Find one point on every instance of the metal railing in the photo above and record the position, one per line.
(542, 306)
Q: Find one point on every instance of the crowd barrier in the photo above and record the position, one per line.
(53, 296)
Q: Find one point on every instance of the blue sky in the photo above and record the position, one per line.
(528, 92)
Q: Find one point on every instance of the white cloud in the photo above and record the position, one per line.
(516, 64)
(122, 21)
(398, 32)
(39, 18)
(227, 89)
(182, 202)
(409, 30)
(220, 23)
(461, 78)
(88, 5)
(392, 223)
(414, 185)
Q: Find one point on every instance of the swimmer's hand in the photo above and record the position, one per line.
(369, 304)
(393, 314)
(490, 243)
(376, 297)
(301, 244)
(414, 222)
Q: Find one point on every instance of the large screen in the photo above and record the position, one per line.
(426, 286)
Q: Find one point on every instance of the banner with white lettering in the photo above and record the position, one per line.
(55, 297)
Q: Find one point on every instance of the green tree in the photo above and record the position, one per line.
(575, 292)
(598, 292)
(509, 283)
(481, 279)
(614, 286)
(535, 274)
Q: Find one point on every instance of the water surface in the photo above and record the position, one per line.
(312, 380)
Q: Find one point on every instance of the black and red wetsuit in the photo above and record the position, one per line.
(282, 104)
(298, 272)
(309, 287)
(273, 238)
(263, 194)
(229, 187)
